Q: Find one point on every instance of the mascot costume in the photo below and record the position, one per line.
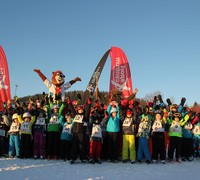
(57, 86)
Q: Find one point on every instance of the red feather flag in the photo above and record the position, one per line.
(4, 79)
(120, 77)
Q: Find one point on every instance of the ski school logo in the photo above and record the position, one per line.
(90, 88)
(94, 79)
(120, 76)
(95, 76)
(2, 79)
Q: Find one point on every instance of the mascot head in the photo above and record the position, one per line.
(58, 78)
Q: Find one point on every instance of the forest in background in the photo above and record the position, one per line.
(103, 97)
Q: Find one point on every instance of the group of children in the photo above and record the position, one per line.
(122, 130)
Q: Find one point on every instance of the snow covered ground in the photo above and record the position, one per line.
(19, 169)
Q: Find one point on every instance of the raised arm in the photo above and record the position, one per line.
(42, 76)
(74, 80)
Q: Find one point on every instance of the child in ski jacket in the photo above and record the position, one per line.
(66, 136)
(81, 119)
(53, 131)
(4, 127)
(175, 134)
(196, 139)
(128, 130)
(112, 129)
(96, 139)
(14, 137)
(26, 121)
(158, 137)
(187, 141)
(143, 136)
(39, 135)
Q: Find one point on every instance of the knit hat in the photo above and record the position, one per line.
(129, 111)
(158, 112)
(15, 116)
(26, 114)
(113, 110)
(55, 107)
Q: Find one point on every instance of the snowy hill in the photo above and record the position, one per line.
(55, 169)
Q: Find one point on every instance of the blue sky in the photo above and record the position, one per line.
(159, 37)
